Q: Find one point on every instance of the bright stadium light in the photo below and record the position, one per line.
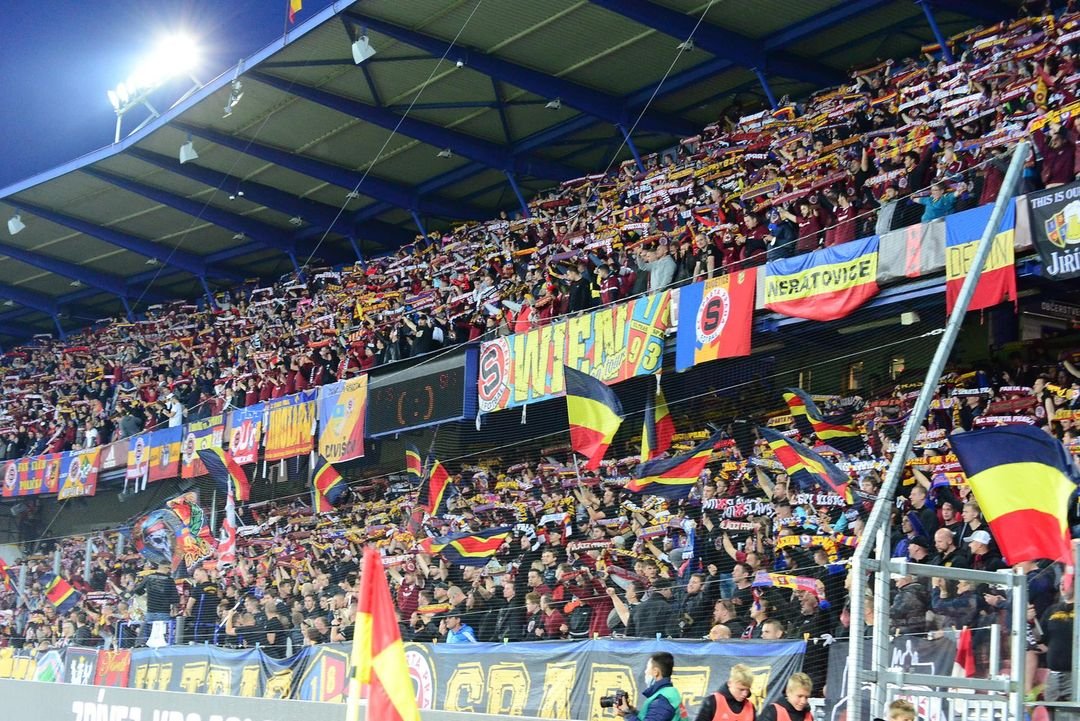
(187, 152)
(362, 50)
(176, 56)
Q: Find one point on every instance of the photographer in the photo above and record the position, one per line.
(662, 702)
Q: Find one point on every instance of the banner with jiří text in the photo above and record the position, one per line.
(611, 344)
(1055, 230)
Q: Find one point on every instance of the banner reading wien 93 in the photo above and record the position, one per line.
(611, 344)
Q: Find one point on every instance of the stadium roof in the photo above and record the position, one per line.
(128, 225)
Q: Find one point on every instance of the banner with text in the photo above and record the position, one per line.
(155, 456)
(826, 284)
(342, 408)
(32, 476)
(244, 431)
(290, 425)
(199, 436)
(611, 344)
(78, 473)
(1055, 229)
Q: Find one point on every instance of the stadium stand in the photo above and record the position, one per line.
(903, 143)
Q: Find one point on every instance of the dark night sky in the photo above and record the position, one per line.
(59, 58)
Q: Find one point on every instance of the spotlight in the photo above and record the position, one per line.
(76, 284)
(15, 224)
(239, 236)
(685, 46)
(362, 50)
(353, 195)
(187, 152)
(460, 63)
(234, 97)
(8, 303)
(296, 220)
(152, 261)
(554, 104)
(445, 153)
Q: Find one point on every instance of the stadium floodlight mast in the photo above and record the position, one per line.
(174, 57)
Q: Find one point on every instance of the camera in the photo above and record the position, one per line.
(613, 700)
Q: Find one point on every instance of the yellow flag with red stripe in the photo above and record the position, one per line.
(378, 656)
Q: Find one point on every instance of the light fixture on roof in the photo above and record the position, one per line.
(352, 195)
(239, 236)
(445, 153)
(238, 193)
(235, 94)
(152, 261)
(9, 303)
(187, 152)
(76, 283)
(362, 50)
(296, 220)
(554, 104)
(685, 46)
(15, 224)
(174, 57)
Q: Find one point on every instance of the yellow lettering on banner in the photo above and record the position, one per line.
(153, 676)
(219, 681)
(140, 677)
(558, 680)
(693, 684)
(278, 685)
(23, 668)
(960, 258)
(193, 676)
(7, 656)
(821, 279)
(465, 689)
(604, 680)
(249, 681)
(578, 332)
(508, 689)
(760, 685)
(608, 336)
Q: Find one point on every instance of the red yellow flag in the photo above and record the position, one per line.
(594, 412)
(294, 7)
(378, 656)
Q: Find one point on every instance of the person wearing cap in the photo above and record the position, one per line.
(456, 630)
(920, 550)
(983, 557)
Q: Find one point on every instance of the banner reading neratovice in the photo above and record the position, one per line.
(1055, 230)
(342, 407)
(610, 344)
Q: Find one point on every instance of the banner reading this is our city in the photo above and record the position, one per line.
(290, 424)
(342, 407)
(611, 344)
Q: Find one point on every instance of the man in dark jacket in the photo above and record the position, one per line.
(161, 599)
(509, 616)
(909, 606)
(653, 615)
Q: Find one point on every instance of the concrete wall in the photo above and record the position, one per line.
(34, 701)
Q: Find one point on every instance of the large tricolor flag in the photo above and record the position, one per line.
(432, 494)
(60, 593)
(673, 478)
(378, 656)
(414, 464)
(1022, 478)
(230, 474)
(327, 485)
(998, 280)
(826, 284)
(805, 468)
(595, 414)
(468, 549)
(659, 428)
(838, 430)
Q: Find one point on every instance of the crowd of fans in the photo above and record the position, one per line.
(906, 141)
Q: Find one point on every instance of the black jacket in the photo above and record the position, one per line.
(160, 590)
(650, 617)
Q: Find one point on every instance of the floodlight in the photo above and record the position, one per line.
(445, 153)
(114, 99)
(76, 284)
(187, 152)
(554, 104)
(15, 224)
(123, 94)
(685, 46)
(362, 50)
(296, 220)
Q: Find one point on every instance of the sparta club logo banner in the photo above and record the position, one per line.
(611, 344)
(1055, 229)
(79, 473)
(715, 317)
(38, 474)
(824, 285)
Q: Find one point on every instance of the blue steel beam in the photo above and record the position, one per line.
(482, 151)
(387, 191)
(588, 100)
(179, 258)
(321, 216)
(739, 49)
(102, 281)
(257, 231)
(30, 299)
(989, 11)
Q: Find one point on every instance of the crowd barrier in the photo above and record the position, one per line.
(556, 680)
